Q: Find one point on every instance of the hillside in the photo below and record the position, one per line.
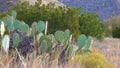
(56, 2)
(5, 4)
(105, 8)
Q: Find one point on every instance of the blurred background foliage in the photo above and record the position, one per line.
(60, 18)
(112, 27)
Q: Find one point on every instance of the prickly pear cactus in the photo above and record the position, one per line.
(43, 46)
(5, 43)
(88, 43)
(48, 43)
(61, 36)
(39, 36)
(81, 41)
(7, 20)
(14, 14)
(10, 27)
(16, 24)
(66, 34)
(34, 28)
(16, 40)
(23, 27)
(40, 26)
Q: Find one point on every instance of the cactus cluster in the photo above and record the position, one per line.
(23, 37)
(84, 43)
(14, 31)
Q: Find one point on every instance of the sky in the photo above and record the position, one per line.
(119, 1)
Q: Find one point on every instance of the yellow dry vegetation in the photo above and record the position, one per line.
(91, 60)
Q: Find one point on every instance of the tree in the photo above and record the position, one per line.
(90, 25)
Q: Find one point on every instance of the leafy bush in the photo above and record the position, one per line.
(91, 60)
(90, 25)
(116, 32)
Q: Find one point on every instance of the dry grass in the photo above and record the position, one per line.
(31, 61)
(110, 48)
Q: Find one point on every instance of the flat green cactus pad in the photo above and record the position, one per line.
(40, 26)
(43, 46)
(59, 36)
(23, 27)
(81, 41)
(66, 34)
(34, 28)
(14, 14)
(16, 24)
(10, 27)
(88, 43)
(16, 40)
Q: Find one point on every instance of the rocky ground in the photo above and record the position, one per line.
(110, 48)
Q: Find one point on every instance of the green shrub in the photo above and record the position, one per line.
(90, 25)
(116, 32)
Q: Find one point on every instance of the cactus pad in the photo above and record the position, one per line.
(14, 14)
(62, 36)
(40, 26)
(5, 43)
(16, 40)
(48, 43)
(16, 24)
(23, 27)
(59, 36)
(88, 43)
(81, 41)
